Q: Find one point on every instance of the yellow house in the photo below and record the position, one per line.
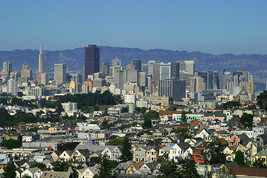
(261, 155)
(134, 167)
(151, 155)
(52, 130)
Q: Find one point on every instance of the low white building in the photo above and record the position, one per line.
(69, 106)
(83, 126)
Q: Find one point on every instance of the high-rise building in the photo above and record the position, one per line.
(60, 71)
(156, 73)
(26, 72)
(150, 67)
(41, 61)
(196, 83)
(44, 78)
(187, 66)
(142, 80)
(105, 68)
(12, 87)
(174, 89)
(116, 62)
(175, 70)
(212, 79)
(91, 63)
(165, 70)
(7, 67)
(137, 64)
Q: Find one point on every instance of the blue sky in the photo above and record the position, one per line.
(214, 26)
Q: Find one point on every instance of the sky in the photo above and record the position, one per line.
(213, 26)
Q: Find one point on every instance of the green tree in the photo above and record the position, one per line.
(9, 170)
(143, 110)
(126, 153)
(151, 115)
(169, 170)
(183, 116)
(239, 158)
(124, 110)
(262, 100)
(215, 152)
(116, 141)
(105, 170)
(259, 163)
(10, 144)
(39, 165)
(137, 110)
(184, 132)
(189, 168)
(147, 123)
(246, 120)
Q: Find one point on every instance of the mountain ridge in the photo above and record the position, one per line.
(255, 63)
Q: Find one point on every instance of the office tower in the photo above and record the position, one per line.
(142, 80)
(212, 79)
(150, 67)
(165, 70)
(105, 68)
(175, 70)
(137, 64)
(116, 62)
(196, 83)
(131, 75)
(174, 89)
(77, 78)
(187, 66)
(145, 68)
(156, 73)
(26, 72)
(119, 78)
(37, 91)
(7, 67)
(41, 61)
(251, 90)
(60, 71)
(91, 63)
(44, 78)
(12, 87)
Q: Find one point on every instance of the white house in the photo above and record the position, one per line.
(32, 172)
(88, 172)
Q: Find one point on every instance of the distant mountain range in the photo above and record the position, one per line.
(256, 64)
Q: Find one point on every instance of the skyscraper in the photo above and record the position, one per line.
(105, 68)
(172, 88)
(60, 71)
(7, 67)
(41, 61)
(12, 87)
(26, 72)
(137, 64)
(91, 63)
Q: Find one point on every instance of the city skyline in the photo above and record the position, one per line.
(211, 26)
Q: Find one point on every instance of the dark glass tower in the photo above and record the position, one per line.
(91, 63)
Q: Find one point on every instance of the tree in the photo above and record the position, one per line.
(189, 168)
(10, 144)
(262, 100)
(239, 158)
(124, 110)
(126, 153)
(39, 165)
(137, 110)
(147, 123)
(246, 120)
(9, 170)
(143, 110)
(183, 117)
(259, 163)
(169, 169)
(105, 170)
(215, 152)
(116, 141)
(151, 115)
(184, 132)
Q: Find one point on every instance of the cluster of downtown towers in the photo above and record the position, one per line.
(163, 75)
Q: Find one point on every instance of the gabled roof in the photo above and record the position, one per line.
(138, 165)
(125, 165)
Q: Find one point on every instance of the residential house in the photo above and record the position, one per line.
(139, 153)
(151, 155)
(122, 167)
(66, 155)
(87, 172)
(55, 155)
(134, 167)
(204, 134)
(58, 174)
(32, 172)
(80, 156)
(261, 155)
